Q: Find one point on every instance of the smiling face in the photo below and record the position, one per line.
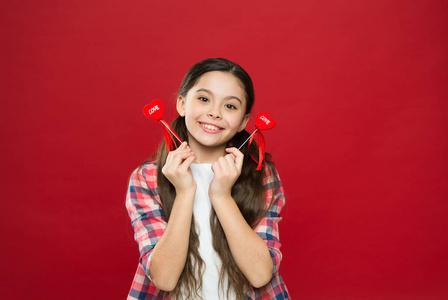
(214, 110)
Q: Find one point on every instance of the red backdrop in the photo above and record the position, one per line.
(359, 91)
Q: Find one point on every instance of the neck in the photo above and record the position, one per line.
(207, 155)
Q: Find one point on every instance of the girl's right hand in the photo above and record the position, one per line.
(177, 168)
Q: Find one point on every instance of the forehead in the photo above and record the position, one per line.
(221, 83)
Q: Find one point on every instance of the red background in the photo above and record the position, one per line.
(359, 92)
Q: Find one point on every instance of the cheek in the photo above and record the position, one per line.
(191, 116)
(190, 112)
(188, 119)
(236, 122)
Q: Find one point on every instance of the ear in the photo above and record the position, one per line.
(180, 105)
(244, 122)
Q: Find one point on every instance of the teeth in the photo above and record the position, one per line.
(211, 127)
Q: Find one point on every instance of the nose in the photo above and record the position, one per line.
(214, 113)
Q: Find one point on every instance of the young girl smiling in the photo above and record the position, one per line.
(205, 220)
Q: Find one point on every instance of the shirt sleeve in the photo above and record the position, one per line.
(267, 228)
(145, 210)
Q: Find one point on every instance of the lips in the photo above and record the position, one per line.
(210, 127)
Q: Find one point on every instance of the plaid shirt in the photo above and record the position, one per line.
(145, 210)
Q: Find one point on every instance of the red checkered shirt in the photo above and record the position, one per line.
(145, 210)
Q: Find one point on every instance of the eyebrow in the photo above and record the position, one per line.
(211, 93)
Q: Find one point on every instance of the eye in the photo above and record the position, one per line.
(203, 99)
(230, 106)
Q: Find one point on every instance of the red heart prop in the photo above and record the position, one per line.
(154, 110)
(264, 122)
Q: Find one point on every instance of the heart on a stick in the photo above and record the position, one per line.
(264, 122)
(154, 110)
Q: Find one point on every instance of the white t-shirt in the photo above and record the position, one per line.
(203, 175)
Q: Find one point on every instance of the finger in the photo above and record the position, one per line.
(226, 162)
(183, 148)
(187, 162)
(183, 145)
(179, 149)
(216, 167)
(235, 152)
(239, 156)
(187, 148)
(230, 162)
(179, 158)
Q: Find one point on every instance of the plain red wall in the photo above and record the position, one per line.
(359, 91)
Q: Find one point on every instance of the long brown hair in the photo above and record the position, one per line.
(248, 192)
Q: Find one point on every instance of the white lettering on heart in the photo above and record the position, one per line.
(153, 109)
(264, 119)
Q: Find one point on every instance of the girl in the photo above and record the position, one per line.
(205, 220)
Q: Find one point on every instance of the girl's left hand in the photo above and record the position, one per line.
(227, 169)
